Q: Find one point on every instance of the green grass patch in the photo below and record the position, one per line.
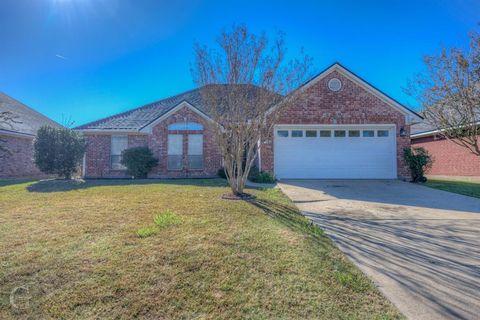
(166, 218)
(146, 232)
(74, 246)
(471, 189)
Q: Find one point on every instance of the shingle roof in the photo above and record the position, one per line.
(29, 120)
(138, 118)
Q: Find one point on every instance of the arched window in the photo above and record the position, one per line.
(185, 126)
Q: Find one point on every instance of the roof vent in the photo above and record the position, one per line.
(335, 84)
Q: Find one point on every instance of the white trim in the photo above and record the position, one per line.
(109, 132)
(16, 134)
(183, 104)
(410, 117)
(84, 164)
(431, 132)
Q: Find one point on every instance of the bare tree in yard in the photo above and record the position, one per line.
(449, 92)
(7, 119)
(242, 79)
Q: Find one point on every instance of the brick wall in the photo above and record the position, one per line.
(98, 150)
(351, 105)
(449, 159)
(19, 162)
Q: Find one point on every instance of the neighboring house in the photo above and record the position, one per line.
(344, 129)
(450, 160)
(18, 139)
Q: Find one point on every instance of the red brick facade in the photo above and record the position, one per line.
(98, 162)
(351, 105)
(18, 163)
(449, 159)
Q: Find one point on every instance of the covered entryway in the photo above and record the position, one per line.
(335, 152)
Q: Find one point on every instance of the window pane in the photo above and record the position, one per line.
(195, 151)
(311, 133)
(325, 133)
(195, 144)
(175, 144)
(195, 162)
(382, 133)
(185, 126)
(116, 165)
(368, 133)
(282, 133)
(297, 133)
(339, 133)
(174, 162)
(354, 133)
(119, 143)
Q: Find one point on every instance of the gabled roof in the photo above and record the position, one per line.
(27, 120)
(140, 119)
(415, 117)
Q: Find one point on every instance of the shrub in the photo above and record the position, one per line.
(260, 176)
(138, 161)
(58, 151)
(146, 232)
(418, 160)
(166, 218)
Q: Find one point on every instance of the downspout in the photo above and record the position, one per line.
(259, 144)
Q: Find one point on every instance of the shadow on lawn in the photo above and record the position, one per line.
(71, 185)
(289, 216)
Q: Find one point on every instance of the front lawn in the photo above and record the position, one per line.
(78, 250)
(471, 189)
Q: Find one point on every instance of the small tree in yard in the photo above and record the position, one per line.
(418, 161)
(58, 151)
(138, 161)
(241, 80)
(449, 91)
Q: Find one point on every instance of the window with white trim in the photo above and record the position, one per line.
(339, 133)
(118, 144)
(325, 133)
(175, 152)
(195, 151)
(354, 133)
(297, 133)
(310, 133)
(382, 133)
(282, 133)
(368, 133)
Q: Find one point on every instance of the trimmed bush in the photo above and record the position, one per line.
(418, 160)
(139, 161)
(260, 176)
(58, 151)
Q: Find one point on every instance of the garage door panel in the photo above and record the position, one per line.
(335, 157)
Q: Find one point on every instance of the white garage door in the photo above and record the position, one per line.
(335, 152)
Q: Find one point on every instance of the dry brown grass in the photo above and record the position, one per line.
(73, 250)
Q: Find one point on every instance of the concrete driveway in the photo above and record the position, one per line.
(419, 245)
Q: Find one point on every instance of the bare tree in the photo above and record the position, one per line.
(245, 81)
(449, 92)
(7, 119)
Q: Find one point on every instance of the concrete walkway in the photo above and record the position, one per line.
(419, 245)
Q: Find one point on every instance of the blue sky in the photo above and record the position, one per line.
(87, 59)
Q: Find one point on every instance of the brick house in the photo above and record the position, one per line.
(450, 160)
(18, 138)
(344, 128)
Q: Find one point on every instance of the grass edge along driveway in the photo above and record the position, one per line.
(73, 250)
(467, 188)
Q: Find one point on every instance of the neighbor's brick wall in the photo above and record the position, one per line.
(19, 162)
(98, 150)
(449, 159)
(351, 105)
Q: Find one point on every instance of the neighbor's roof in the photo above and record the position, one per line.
(136, 119)
(27, 120)
(422, 128)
